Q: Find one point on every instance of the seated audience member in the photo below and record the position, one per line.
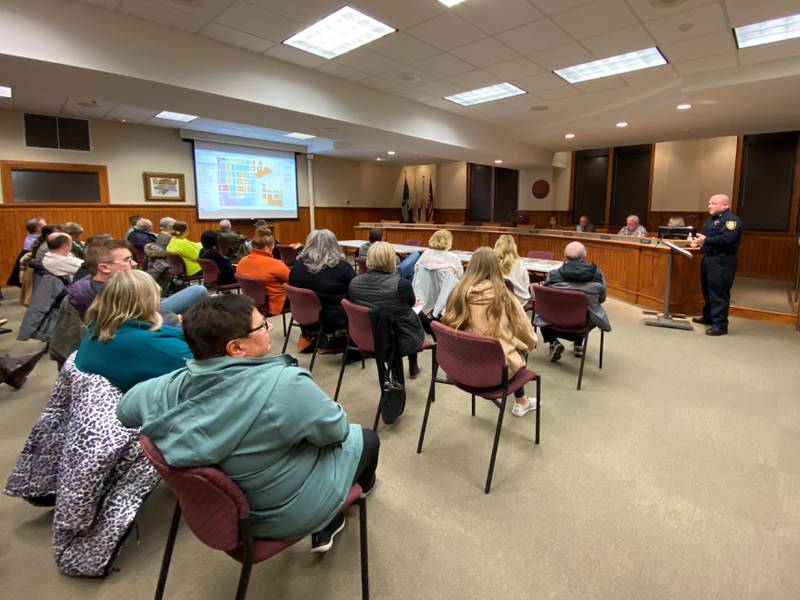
(676, 222)
(512, 267)
(141, 235)
(37, 251)
(382, 288)
(438, 255)
(552, 223)
(126, 341)
(576, 273)
(633, 228)
(33, 226)
(323, 269)
(261, 265)
(236, 241)
(75, 231)
(481, 303)
(227, 273)
(584, 225)
(59, 259)
(132, 220)
(260, 419)
(156, 253)
(375, 235)
(90, 241)
(187, 250)
(276, 252)
(39, 246)
(405, 268)
(436, 273)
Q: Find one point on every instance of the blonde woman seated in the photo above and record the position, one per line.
(481, 303)
(512, 267)
(127, 341)
(438, 255)
(436, 273)
(188, 250)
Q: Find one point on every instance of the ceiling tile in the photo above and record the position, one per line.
(400, 15)
(416, 95)
(558, 93)
(710, 63)
(485, 52)
(494, 16)
(550, 7)
(646, 10)
(534, 37)
(699, 47)
(601, 85)
(439, 89)
(367, 61)
(686, 25)
(109, 4)
(473, 80)
(132, 114)
(785, 49)
(596, 18)
(409, 76)
(305, 12)
(648, 77)
(448, 106)
(258, 21)
(447, 31)
(562, 56)
(403, 48)
(443, 66)
(206, 10)
(164, 15)
(545, 81)
(221, 33)
(619, 42)
(745, 12)
(342, 72)
(295, 56)
(98, 111)
(382, 84)
(514, 69)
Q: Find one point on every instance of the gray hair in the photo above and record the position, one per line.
(575, 251)
(72, 227)
(633, 217)
(166, 223)
(321, 250)
(224, 225)
(144, 224)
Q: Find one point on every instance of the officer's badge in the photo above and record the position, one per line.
(730, 225)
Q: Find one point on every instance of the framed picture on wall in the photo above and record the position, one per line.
(164, 187)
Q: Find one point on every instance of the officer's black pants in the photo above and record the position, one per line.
(716, 275)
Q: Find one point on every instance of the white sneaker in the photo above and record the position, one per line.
(520, 409)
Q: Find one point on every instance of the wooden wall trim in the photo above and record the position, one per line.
(8, 166)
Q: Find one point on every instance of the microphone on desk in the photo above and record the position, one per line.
(512, 219)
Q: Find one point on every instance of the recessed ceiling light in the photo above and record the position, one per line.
(622, 124)
(767, 32)
(450, 3)
(486, 94)
(175, 116)
(391, 152)
(569, 136)
(683, 106)
(498, 162)
(614, 65)
(338, 33)
(299, 136)
(5, 91)
(379, 158)
(123, 120)
(89, 104)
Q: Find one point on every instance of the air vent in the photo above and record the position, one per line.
(58, 133)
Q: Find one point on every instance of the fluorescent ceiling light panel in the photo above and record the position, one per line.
(450, 3)
(486, 94)
(766, 32)
(5, 91)
(340, 32)
(174, 116)
(614, 65)
(299, 136)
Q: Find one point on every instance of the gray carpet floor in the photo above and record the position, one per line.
(673, 474)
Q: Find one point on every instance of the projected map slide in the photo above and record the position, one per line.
(237, 182)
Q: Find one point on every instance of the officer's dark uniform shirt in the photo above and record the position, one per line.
(723, 234)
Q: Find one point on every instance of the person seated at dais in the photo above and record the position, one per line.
(584, 225)
(260, 419)
(633, 228)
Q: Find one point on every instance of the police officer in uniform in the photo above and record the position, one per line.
(719, 241)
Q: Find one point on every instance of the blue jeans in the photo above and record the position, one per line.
(520, 393)
(406, 267)
(179, 302)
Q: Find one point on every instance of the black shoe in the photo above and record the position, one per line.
(413, 371)
(556, 349)
(16, 371)
(5, 330)
(717, 331)
(701, 321)
(322, 541)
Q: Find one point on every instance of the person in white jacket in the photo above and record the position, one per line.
(512, 267)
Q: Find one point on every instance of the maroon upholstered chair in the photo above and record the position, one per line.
(567, 311)
(217, 512)
(476, 364)
(258, 293)
(361, 263)
(413, 242)
(360, 339)
(211, 277)
(306, 312)
(223, 245)
(288, 254)
(178, 268)
(543, 254)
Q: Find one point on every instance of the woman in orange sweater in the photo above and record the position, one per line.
(261, 265)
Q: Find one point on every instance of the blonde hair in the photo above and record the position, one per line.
(381, 257)
(483, 266)
(126, 296)
(505, 249)
(441, 240)
(263, 238)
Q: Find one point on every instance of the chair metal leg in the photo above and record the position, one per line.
(165, 562)
(602, 339)
(583, 358)
(362, 517)
(538, 406)
(431, 395)
(473, 405)
(283, 315)
(316, 345)
(288, 334)
(341, 371)
(488, 487)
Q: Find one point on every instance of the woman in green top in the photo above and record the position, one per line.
(127, 341)
(186, 249)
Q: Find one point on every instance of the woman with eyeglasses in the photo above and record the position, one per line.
(127, 341)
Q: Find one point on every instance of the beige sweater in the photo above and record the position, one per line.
(516, 331)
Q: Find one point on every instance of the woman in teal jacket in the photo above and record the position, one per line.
(126, 341)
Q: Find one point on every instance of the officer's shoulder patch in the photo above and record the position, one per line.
(730, 225)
